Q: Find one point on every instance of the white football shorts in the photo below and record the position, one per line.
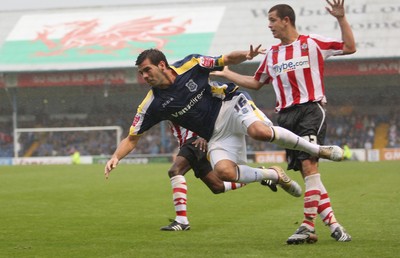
(228, 140)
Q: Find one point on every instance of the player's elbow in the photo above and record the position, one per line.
(257, 85)
(251, 83)
(352, 51)
(348, 50)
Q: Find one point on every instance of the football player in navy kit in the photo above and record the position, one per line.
(217, 112)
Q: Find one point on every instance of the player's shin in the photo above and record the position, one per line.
(179, 195)
(246, 174)
(288, 140)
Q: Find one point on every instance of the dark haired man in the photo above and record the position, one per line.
(295, 68)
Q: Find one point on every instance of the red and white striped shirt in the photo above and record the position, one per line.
(296, 70)
(181, 134)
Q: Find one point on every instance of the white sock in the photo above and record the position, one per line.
(289, 140)
(312, 196)
(248, 174)
(325, 209)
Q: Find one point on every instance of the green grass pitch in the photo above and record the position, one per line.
(72, 211)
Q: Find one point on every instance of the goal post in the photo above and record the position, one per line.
(18, 131)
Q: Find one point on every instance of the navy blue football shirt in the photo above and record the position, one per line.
(192, 101)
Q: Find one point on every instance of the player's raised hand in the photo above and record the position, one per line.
(336, 8)
(254, 52)
(110, 165)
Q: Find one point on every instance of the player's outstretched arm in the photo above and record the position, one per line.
(124, 148)
(237, 57)
(336, 9)
(245, 81)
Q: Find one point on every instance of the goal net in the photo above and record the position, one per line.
(63, 141)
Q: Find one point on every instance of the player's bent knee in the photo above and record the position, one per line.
(226, 171)
(260, 131)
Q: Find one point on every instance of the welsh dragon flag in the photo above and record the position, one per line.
(90, 39)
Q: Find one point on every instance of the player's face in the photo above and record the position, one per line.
(276, 25)
(151, 73)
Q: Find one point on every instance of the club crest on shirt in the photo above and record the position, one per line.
(191, 85)
(304, 47)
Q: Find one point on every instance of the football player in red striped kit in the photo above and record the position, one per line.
(295, 69)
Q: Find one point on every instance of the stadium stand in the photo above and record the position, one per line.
(358, 131)
(75, 91)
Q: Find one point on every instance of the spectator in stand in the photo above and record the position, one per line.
(392, 139)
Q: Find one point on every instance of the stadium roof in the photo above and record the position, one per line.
(99, 35)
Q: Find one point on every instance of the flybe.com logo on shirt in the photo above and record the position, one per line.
(291, 65)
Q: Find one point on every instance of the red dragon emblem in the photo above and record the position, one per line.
(84, 35)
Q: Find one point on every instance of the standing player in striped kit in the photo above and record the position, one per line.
(295, 68)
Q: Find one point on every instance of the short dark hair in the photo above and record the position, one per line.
(154, 55)
(284, 10)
